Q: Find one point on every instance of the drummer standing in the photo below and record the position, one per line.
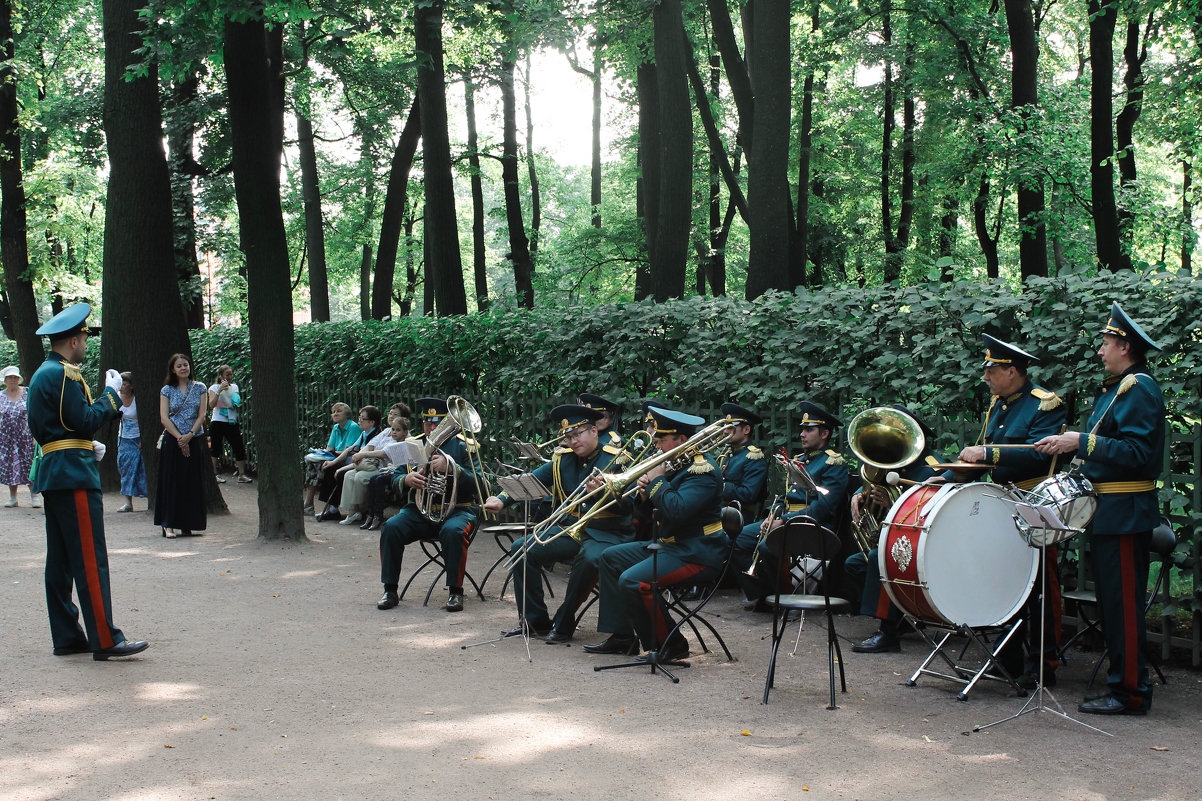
(1122, 455)
(1019, 413)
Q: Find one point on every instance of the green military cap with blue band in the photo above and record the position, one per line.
(668, 421)
(1003, 354)
(569, 417)
(432, 410)
(741, 414)
(70, 322)
(814, 415)
(1123, 327)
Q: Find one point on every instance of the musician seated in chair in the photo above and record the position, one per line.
(744, 470)
(609, 425)
(570, 467)
(871, 503)
(829, 471)
(409, 525)
(1020, 413)
(687, 498)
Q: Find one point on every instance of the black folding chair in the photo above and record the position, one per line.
(433, 552)
(799, 538)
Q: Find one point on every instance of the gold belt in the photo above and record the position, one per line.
(1113, 487)
(1030, 483)
(63, 444)
(798, 507)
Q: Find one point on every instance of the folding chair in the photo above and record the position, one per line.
(680, 599)
(802, 537)
(505, 535)
(433, 552)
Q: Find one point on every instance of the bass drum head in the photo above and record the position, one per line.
(978, 569)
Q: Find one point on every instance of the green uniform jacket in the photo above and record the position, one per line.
(829, 472)
(1027, 416)
(744, 476)
(468, 471)
(1128, 446)
(688, 511)
(61, 409)
(564, 473)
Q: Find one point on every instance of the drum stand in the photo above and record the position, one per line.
(1036, 703)
(527, 489)
(963, 675)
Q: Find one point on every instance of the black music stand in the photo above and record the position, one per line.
(526, 489)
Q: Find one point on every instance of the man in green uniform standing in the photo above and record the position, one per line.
(569, 468)
(1121, 454)
(64, 418)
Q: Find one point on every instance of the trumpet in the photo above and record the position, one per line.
(765, 527)
(616, 487)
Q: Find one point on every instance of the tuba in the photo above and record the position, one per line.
(436, 501)
(885, 440)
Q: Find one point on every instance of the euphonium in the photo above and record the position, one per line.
(884, 439)
(436, 501)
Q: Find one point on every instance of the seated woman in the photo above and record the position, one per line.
(344, 434)
(384, 489)
(329, 489)
(370, 462)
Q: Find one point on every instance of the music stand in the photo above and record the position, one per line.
(526, 489)
(528, 451)
(1040, 526)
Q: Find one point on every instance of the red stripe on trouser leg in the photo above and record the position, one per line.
(654, 611)
(584, 594)
(882, 604)
(87, 548)
(1130, 630)
(467, 540)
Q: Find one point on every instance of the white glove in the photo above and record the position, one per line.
(112, 380)
(98, 449)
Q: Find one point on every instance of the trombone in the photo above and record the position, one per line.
(616, 487)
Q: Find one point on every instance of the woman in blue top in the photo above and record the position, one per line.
(129, 447)
(183, 402)
(344, 434)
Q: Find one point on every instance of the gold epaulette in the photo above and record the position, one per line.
(615, 438)
(932, 460)
(1048, 400)
(560, 451)
(833, 457)
(72, 372)
(701, 465)
(1127, 383)
(754, 453)
(610, 449)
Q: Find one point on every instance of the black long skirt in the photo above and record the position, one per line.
(180, 498)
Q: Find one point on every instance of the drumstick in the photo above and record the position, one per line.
(1055, 456)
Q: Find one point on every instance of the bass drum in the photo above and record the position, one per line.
(950, 553)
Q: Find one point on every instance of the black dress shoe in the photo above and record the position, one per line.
(557, 637)
(367, 524)
(1109, 705)
(879, 643)
(388, 600)
(615, 644)
(74, 648)
(539, 629)
(121, 649)
(455, 602)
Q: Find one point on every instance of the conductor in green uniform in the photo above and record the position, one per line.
(64, 418)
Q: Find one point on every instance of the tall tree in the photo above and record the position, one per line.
(519, 245)
(1024, 99)
(253, 58)
(479, 247)
(183, 100)
(143, 315)
(1102, 18)
(14, 247)
(392, 220)
(768, 157)
(315, 235)
(675, 122)
(444, 264)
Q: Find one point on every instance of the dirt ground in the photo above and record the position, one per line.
(271, 674)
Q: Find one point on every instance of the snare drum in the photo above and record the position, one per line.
(1071, 496)
(949, 554)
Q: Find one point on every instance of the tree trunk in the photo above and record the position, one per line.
(315, 235)
(536, 195)
(715, 259)
(736, 70)
(519, 246)
(14, 247)
(393, 218)
(1024, 96)
(143, 315)
(675, 212)
(717, 148)
(181, 141)
(479, 251)
(365, 283)
(889, 123)
(1187, 218)
(1102, 17)
(768, 158)
(649, 161)
(444, 264)
(1124, 127)
(256, 116)
(595, 165)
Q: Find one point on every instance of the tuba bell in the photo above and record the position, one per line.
(436, 501)
(884, 439)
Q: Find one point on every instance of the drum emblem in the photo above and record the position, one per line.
(902, 552)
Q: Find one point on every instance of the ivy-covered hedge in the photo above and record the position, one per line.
(844, 347)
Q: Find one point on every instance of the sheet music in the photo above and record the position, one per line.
(404, 452)
(1040, 517)
(524, 487)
